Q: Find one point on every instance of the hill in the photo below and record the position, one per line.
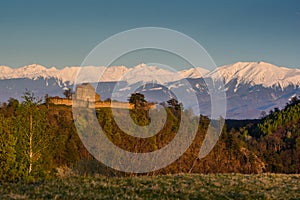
(276, 139)
(40, 140)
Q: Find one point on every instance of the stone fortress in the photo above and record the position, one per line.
(86, 96)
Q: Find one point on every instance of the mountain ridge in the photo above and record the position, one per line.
(252, 73)
(257, 73)
(109, 74)
(250, 87)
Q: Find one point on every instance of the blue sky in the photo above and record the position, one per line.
(61, 33)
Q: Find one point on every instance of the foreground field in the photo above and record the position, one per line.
(213, 186)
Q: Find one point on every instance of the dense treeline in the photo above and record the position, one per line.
(38, 140)
(277, 138)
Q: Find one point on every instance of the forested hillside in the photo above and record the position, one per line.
(39, 140)
(277, 138)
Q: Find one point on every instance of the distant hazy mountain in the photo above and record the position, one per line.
(251, 87)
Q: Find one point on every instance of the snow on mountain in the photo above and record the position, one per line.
(66, 74)
(251, 87)
(112, 74)
(257, 73)
(29, 71)
(240, 73)
(193, 72)
(135, 74)
(36, 71)
(5, 70)
(145, 73)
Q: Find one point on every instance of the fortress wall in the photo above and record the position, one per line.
(61, 101)
(98, 104)
(86, 97)
(114, 105)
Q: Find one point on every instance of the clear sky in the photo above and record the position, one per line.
(61, 33)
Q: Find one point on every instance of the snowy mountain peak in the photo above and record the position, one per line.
(141, 72)
(52, 69)
(33, 67)
(5, 70)
(251, 73)
(257, 73)
(140, 66)
(194, 72)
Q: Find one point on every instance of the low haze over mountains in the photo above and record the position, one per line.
(250, 87)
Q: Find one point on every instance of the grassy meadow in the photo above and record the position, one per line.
(182, 186)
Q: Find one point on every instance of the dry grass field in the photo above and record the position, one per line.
(182, 186)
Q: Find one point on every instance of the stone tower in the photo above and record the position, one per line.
(86, 92)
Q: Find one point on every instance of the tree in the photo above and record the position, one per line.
(13, 103)
(263, 114)
(12, 106)
(7, 150)
(294, 100)
(173, 103)
(47, 100)
(107, 100)
(31, 129)
(175, 106)
(138, 100)
(68, 93)
(276, 109)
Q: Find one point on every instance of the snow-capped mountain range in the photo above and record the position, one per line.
(253, 73)
(257, 73)
(100, 73)
(250, 87)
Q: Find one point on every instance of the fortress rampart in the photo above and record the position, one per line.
(90, 104)
(86, 97)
